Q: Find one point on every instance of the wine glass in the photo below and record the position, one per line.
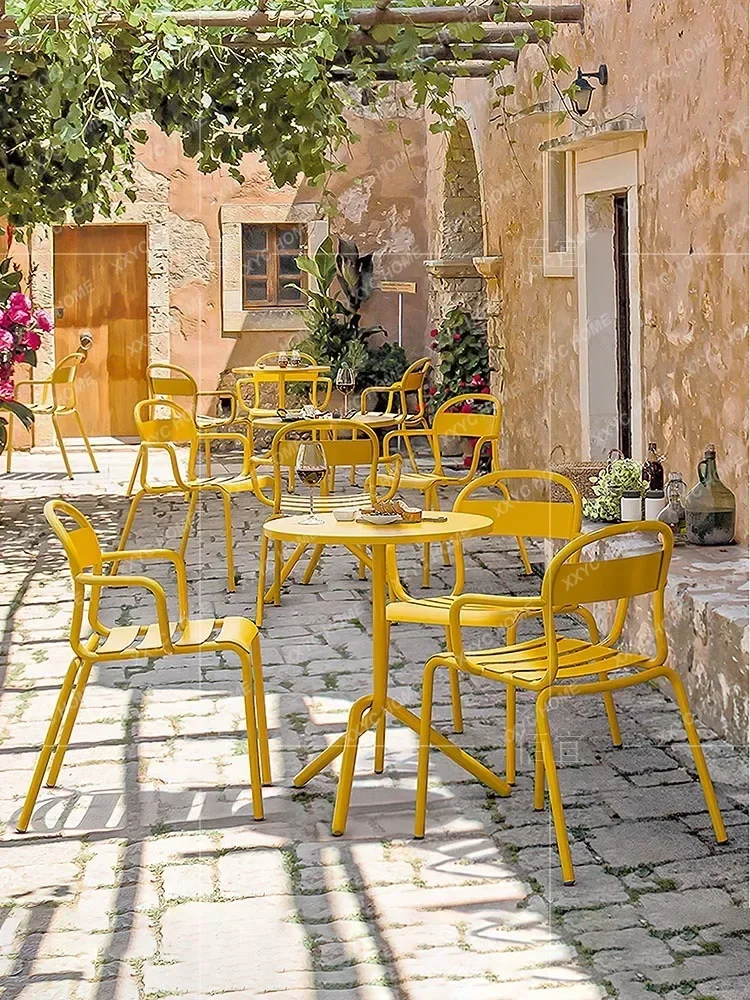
(345, 384)
(311, 467)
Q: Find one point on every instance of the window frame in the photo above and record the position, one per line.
(558, 263)
(273, 275)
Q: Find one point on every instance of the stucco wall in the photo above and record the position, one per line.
(380, 205)
(682, 67)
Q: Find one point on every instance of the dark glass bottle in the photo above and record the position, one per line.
(653, 470)
(710, 507)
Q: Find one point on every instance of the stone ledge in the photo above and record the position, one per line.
(708, 626)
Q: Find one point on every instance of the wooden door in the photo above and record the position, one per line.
(101, 287)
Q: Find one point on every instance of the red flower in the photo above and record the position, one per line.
(456, 337)
(432, 390)
(467, 407)
(433, 333)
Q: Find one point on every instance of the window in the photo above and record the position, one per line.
(558, 215)
(269, 265)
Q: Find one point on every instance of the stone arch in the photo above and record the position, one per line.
(455, 281)
(461, 216)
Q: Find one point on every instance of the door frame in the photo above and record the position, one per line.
(616, 173)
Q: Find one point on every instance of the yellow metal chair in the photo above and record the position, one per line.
(361, 451)
(411, 384)
(162, 425)
(452, 419)
(172, 382)
(320, 387)
(555, 666)
(527, 514)
(130, 642)
(58, 399)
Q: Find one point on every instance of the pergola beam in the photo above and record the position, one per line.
(571, 13)
(482, 69)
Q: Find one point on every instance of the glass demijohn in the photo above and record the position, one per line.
(710, 506)
(673, 511)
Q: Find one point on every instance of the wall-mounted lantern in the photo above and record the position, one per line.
(583, 91)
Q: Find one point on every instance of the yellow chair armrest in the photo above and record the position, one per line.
(229, 436)
(221, 394)
(490, 601)
(405, 432)
(156, 589)
(166, 555)
(396, 462)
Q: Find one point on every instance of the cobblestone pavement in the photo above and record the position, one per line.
(144, 876)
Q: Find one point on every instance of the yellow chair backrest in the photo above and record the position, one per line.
(162, 421)
(363, 450)
(572, 580)
(414, 377)
(66, 370)
(517, 512)
(170, 382)
(80, 543)
(451, 420)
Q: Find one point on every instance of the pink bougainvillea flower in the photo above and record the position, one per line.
(433, 333)
(33, 340)
(17, 300)
(6, 340)
(6, 388)
(42, 320)
(456, 337)
(467, 407)
(18, 315)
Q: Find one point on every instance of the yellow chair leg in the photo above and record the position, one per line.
(524, 555)
(189, 516)
(71, 715)
(455, 683)
(510, 734)
(134, 473)
(227, 500)
(558, 814)
(260, 600)
(86, 441)
(538, 776)
(609, 708)
(48, 746)
(410, 452)
(423, 759)
(252, 735)
(700, 761)
(61, 444)
(207, 455)
(278, 559)
(134, 504)
(9, 443)
(260, 711)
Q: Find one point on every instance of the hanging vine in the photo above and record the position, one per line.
(75, 95)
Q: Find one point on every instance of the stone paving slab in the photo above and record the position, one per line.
(144, 877)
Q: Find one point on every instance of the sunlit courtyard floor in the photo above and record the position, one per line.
(143, 875)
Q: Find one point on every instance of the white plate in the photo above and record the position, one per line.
(380, 518)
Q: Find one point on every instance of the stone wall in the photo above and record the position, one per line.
(667, 67)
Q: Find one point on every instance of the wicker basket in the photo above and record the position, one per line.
(579, 473)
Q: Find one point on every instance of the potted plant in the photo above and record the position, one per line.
(620, 476)
(463, 366)
(21, 329)
(335, 336)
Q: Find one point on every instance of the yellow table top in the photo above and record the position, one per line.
(376, 420)
(332, 532)
(278, 372)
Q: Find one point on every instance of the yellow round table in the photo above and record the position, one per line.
(371, 709)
